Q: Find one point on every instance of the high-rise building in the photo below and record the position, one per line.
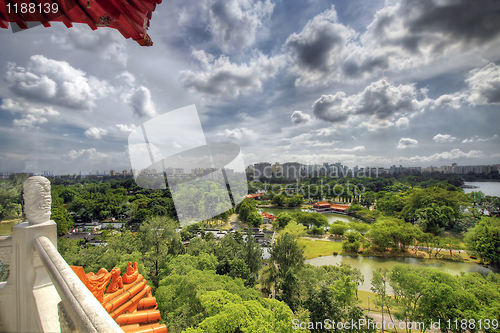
(291, 170)
(278, 170)
(262, 170)
(250, 170)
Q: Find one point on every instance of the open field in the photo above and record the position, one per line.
(317, 248)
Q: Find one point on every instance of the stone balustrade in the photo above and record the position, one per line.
(42, 293)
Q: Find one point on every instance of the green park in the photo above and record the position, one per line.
(411, 248)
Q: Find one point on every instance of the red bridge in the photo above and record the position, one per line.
(130, 17)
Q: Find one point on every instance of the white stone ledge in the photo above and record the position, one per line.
(85, 311)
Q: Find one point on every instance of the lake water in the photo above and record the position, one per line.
(488, 188)
(368, 264)
(331, 217)
(6, 228)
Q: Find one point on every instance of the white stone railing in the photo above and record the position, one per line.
(85, 311)
(42, 293)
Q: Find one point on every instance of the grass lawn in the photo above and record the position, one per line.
(316, 248)
(363, 297)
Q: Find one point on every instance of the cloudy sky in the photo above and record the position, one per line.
(362, 82)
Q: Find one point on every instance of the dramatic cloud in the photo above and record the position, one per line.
(483, 88)
(141, 102)
(222, 79)
(236, 134)
(476, 138)
(55, 82)
(32, 115)
(407, 143)
(442, 138)
(454, 154)
(24, 107)
(109, 44)
(95, 133)
(234, 23)
(485, 85)
(318, 47)
(380, 101)
(228, 25)
(298, 117)
(413, 32)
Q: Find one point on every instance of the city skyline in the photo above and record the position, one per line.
(269, 170)
(363, 82)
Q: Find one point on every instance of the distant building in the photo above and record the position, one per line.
(267, 218)
(277, 170)
(291, 170)
(262, 170)
(326, 207)
(229, 172)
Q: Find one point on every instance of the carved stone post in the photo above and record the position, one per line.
(26, 270)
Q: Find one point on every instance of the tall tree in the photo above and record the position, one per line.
(9, 203)
(484, 239)
(287, 254)
(157, 234)
(252, 255)
(380, 281)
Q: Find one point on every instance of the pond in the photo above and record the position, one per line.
(368, 264)
(488, 188)
(331, 217)
(6, 227)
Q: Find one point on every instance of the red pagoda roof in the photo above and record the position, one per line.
(326, 204)
(339, 207)
(321, 204)
(255, 195)
(127, 299)
(269, 216)
(130, 17)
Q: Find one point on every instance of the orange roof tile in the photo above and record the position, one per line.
(269, 216)
(321, 204)
(339, 207)
(128, 298)
(255, 195)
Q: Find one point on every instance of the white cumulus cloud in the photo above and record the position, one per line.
(442, 138)
(407, 143)
(55, 82)
(125, 128)
(299, 117)
(95, 133)
(447, 155)
(236, 134)
(380, 101)
(220, 78)
(141, 102)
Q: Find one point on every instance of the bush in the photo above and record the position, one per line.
(317, 231)
(351, 247)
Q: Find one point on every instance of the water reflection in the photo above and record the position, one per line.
(368, 264)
